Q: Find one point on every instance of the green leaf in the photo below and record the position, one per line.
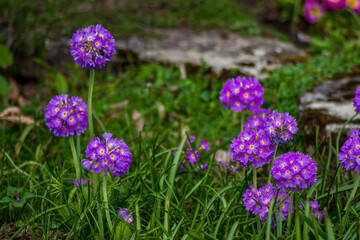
(4, 86)
(61, 84)
(12, 191)
(6, 57)
(122, 231)
(5, 199)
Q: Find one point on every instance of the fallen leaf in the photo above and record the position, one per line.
(120, 105)
(13, 115)
(138, 119)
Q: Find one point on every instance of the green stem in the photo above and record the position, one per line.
(105, 196)
(75, 158)
(295, 16)
(356, 184)
(297, 217)
(288, 227)
(272, 162)
(91, 88)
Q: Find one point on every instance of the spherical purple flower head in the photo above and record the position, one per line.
(258, 201)
(335, 4)
(294, 170)
(66, 116)
(354, 5)
(110, 154)
(257, 120)
(356, 100)
(92, 47)
(124, 213)
(314, 208)
(280, 127)
(349, 155)
(242, 93)
(313, 11)
(251, 147)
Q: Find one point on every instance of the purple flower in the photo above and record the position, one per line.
(242, 93)
(313, 11)
(204, 145)
(349, 155)
(204, 167)
(92, 47)
(314, 208)
(354, 5)
(356, 100)
(17, 198)
(251, 147)
(66, 116)
(258, 201)
(257, 120)
(124, 213)
(280, 127)
(110, 154)
(335, 4)
(193, 155)
(294, 170)
(83, 182)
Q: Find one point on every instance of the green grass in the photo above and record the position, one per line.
(165, 203)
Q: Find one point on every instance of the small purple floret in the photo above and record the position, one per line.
(66, 116)
(124, 213)
(83, 182)
(313, 11)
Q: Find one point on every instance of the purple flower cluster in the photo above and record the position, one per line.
(127, 217)
(257, 120)
(313, 11)
(110, 154)
(66, 116)
(92, 47)
(294, 170)
(356, 100)
(193, 155)
(252, 147)
(314, 208)
(349, 155)
(280, 127)
(258, 201)
(242, 93)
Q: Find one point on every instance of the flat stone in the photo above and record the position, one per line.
(329, 106)
(251, 55)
